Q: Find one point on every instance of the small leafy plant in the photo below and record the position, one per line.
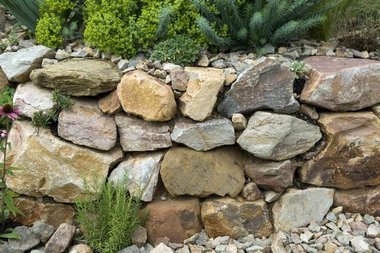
(45, 118)
(109, 221)
(299, 68)
(8, 113)
(179, 50)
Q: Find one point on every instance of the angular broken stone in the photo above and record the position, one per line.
(84, 124)
(342, 84)
(146, 96)
(204, 135)
(352, 155)
(297, 208)
(140, 173)
(31, 98)
(110, 104)
(139, 135)
(188, 172)
(278, 137)
(61, 239)
(265, 85)
(201, 94)
(49, 166)
(227, 216)
(18, 65)
(177, 219)
(78, 77)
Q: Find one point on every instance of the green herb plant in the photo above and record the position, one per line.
(108, 217)
(179, 50)
(46, 118)
(25, 11)
(299, 69)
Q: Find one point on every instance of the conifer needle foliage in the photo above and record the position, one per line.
(254, 23)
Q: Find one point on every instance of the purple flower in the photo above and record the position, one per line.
(9, 111)
(3, 133)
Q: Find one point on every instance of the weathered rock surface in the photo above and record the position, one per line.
(251, 192)
(43, 231)
(202, 90)
(18, 65)
(297, 208)
(84, 124)
(39, 210)
(78, 77)
(264, 85)
(227, 216)
(188, 172)
(275, 176)
(177, 219)
(31, 98)
(139, 135)
(278, 137)
(110, 104)
(3, 79)
(141, 174)
(204, 135)
(50, 166)
(80, 248)
(364, 200)
(352, 155)
(341, 84)
(146, 96)
(61, 239)
(376, 110)
(28, 240)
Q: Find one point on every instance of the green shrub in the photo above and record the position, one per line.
(109, 221)
(49, 29)
(25, 11)
(255, 23)
(110, 26)
(176, 18)
(179, 50)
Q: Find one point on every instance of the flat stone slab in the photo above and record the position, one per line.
(78, 77)
(342, 84)
(18, 65)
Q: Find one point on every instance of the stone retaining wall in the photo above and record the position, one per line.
(235, 150)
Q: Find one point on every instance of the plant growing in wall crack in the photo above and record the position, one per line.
(8, 113)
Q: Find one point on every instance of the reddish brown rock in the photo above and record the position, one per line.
(146, 96)
(177, 219)
(3, 79)
(227, 216)
(342, 84)
(352, 156)
(49, 212)
(110, 104)
(364, 200)
(270, 175)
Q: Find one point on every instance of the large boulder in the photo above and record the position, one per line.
(78, 77)
(278, 137)
(204, 135)
(351, 157)
(342, 84)
(139, 173)
(146, 96)
(176, 219)
(84, 124)
(49, 166)
(18, 65)
(270, 175)
(31, 98)
(49, 212)
(264, 85)
(202, 90)
(297, 208)
(227, 216)
(139, 135)
(363, 200)
(188, 172)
